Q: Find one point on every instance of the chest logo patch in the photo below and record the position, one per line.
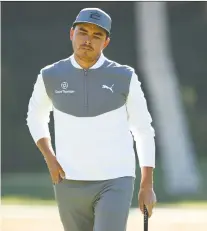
(64, 86)
(109, 88)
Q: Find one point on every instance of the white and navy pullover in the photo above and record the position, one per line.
(94, 112)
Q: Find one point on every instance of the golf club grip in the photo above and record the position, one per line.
(145, 219)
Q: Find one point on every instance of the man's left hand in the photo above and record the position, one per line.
(147, 197)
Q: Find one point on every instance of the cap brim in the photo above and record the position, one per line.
(77, 22)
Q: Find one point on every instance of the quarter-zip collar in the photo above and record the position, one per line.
(95, 66)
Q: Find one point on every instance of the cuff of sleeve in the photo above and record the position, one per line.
(38, 132)
(146, 151)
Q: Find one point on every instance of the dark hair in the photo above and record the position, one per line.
(107, 33)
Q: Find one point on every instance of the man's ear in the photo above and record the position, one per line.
(106, 42)
(71, 33)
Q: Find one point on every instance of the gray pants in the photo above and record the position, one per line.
(94, 205)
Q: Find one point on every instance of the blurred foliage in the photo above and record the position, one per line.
(35, 34)
(188, 36)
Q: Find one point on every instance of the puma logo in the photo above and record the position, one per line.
(109, 88)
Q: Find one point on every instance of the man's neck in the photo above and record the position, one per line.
(85, 64)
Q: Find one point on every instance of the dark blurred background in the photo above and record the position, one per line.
(35, 34)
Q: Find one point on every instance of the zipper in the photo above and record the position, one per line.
(85, 90)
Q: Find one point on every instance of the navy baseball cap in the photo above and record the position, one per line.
(95, 16)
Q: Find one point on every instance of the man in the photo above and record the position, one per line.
(96, 102)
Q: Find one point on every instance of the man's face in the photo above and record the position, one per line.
(88, 41)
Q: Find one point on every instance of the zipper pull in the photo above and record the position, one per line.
(85, 72)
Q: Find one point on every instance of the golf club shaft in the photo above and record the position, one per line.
(145, 219)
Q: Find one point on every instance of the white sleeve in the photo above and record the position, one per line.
(38, 115)
(140, 124)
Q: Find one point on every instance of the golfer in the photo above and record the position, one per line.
(96, 103)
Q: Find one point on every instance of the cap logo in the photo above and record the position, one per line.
(95, 15)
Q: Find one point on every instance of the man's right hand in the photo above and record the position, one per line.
(56, 171)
